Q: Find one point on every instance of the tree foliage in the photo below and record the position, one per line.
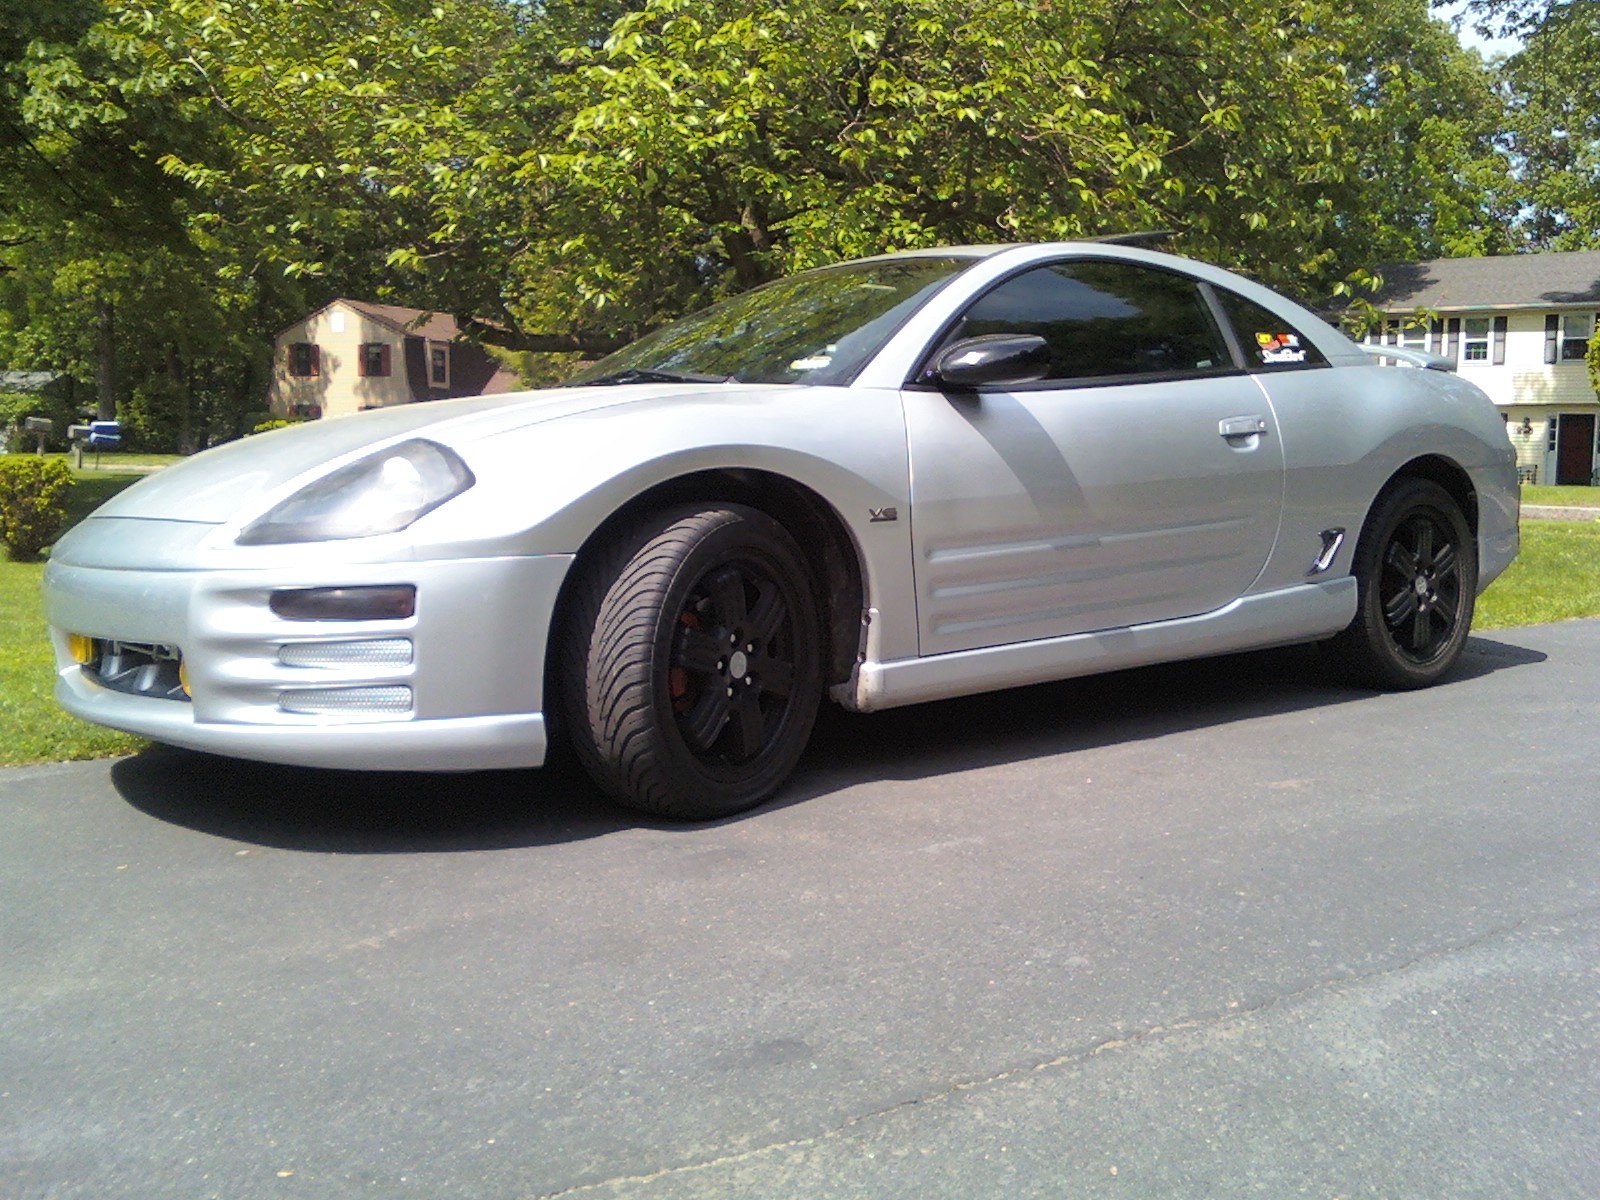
(562, 177)
(1552, 89)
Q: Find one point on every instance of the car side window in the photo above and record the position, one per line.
(1268, 341)
(1104, 320)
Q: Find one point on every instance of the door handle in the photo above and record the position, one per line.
(1233, 427)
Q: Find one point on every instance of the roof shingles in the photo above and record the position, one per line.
(417, 322)
(1505, 281)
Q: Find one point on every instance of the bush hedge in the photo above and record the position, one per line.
(33, 509)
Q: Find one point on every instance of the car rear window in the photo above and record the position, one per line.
(1268, 341)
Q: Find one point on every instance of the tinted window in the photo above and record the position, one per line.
(1105, 319)
(1269, 342)
(819, 327)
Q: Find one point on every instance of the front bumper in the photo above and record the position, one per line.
(466, 695)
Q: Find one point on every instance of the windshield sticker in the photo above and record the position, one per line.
(1280, 348)
(816, 361)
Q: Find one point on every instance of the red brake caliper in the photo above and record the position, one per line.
(678, 677)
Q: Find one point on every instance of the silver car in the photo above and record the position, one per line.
(888, 481)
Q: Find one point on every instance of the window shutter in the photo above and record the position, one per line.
(361, 362)
(1452, 337)
(316, 359)
(1436, 338)
(1552, 338)
(1499, 353)
(383, 359)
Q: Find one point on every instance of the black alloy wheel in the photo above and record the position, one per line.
(730, 672)
(1420, 587)
(1416, 570)
(692, 662)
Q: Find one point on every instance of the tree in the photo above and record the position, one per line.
(1553, 91)
(1296, 140)
(106, 268)
(563, 177)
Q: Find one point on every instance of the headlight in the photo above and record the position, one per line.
(382, 493)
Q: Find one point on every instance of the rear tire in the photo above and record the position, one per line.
(691, 662)
(1416, 570)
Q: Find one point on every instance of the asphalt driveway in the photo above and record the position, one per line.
(1215, 930)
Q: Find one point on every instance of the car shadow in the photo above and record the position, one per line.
(361, 812)
(365, 812)
(927, 740)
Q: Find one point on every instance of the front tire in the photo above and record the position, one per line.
(1416, 569)
(691, 663)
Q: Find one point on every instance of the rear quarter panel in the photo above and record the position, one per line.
(1348, 429)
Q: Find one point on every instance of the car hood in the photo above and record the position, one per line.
(237, 477)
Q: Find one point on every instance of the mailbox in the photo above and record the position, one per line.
(104, 435)
(40, 427)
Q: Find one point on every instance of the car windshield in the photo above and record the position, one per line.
(818, 327)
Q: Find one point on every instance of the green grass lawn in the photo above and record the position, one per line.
(114, 461)
(1567, 496)
(1556, 577)
(32, 727)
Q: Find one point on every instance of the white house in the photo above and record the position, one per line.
(352, 355)
(1518, 326)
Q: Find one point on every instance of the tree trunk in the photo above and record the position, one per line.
(179, 383)
(105, 361)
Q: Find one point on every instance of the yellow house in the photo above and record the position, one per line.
(1518, 326)
(352, 355)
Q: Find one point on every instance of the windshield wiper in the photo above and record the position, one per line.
(641, 375)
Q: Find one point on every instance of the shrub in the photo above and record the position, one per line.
(33, 492)
(276, 423)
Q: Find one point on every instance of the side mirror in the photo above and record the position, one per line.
(993, 358)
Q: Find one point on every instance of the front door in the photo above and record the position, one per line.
(1142, 482)
(1575, 448)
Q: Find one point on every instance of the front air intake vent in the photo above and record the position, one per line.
(137, 668)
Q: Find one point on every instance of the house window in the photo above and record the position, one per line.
(1401, 331)
(304, 359)
(438, 365)
(375, 359)
(1576, 330)
(1475, 339)
(305, 412)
